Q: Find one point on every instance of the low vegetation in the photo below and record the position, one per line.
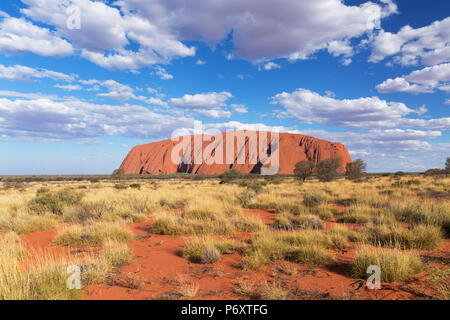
(395, 265)
(46, 277)
(310, 218)
(207, 250)
(92, 235)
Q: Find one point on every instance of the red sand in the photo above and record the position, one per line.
(159, 272)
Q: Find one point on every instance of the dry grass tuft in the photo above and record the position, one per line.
(207, 250)
(93, 235)
(395, 265)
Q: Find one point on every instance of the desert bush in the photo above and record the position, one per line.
(327, 169)
(354, 170)
(395, 265)
(54, 202)
(303, 169)
(135, 186)
(120, 186)
(230, 176)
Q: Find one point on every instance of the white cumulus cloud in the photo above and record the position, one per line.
(362, 113)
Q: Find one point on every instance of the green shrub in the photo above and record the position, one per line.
(327, 169)
(54, 202)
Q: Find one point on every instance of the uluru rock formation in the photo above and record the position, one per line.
(206, 154)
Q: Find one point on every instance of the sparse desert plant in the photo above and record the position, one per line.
(324, 212)
(288, 268)
(92, 235)
(395, 265)
(283, 222)
(354, 217)
(313, 199)
(309, 254)
(310, 222)
(245, 288)
(396, 236)
(274, 292)
(309, 247)
(95, 271)
(210, 255)
(244, 198)
(120, 186)
(207, 250)
(22, 222)
(345, 232)
(187, 288)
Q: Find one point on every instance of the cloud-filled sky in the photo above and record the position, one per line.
(83, 81)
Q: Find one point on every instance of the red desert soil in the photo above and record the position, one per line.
(159, 272)
(39, 244)
(156, 157)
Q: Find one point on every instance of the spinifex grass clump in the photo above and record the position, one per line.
(308, 247)
(395, 265)
(93, 235)
(396, 236)
(22, 222)
(202, 223)
(314, 199)
(207, 250)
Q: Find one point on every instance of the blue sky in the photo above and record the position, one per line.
(75, 98)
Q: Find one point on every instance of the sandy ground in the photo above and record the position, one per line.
(159, 272)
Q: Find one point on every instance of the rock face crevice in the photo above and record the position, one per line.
(156, 157)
